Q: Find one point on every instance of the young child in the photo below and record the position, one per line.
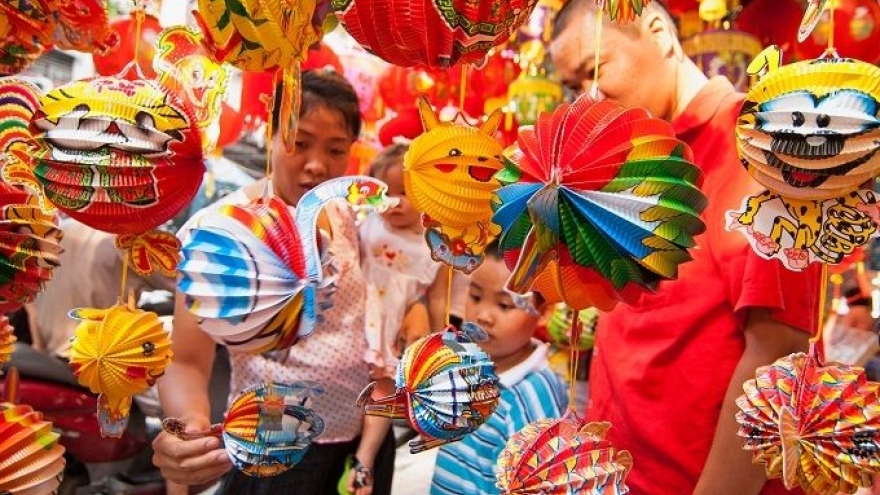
(329, 124)
(398, 268)
(530, 390)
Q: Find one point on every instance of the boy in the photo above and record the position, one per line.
(529, 389)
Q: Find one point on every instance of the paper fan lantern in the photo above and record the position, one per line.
(561, 457)
(815, 425)
(7, 340)
(29, 247)
(83, 25)
(410, 33)
(253, 273)
(599, 203)
(268, 428)
(559, 327)
(623, 11)
(25, 33)
(31, 459)
(809, 130)
(119, 156)
(19, 101)
(449, 177)
(446, 388)
(117, 353)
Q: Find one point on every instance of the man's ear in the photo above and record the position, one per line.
(657, 26)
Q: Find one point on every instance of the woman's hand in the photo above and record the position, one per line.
(360, 479)
(191, 462)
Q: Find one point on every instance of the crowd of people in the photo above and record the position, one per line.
(665, 372)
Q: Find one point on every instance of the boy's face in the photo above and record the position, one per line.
(402, 216)
(510, 329)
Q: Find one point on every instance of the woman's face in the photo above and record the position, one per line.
(323, 143)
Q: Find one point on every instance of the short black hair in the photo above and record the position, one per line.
(327, 89)
(389, 157)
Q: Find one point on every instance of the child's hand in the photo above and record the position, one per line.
(191, 462)
(360, 479)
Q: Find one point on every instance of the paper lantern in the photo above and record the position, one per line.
(231, 126)
(560, 323)
(83, 25)
(268, 428)
(117, 353)
(809, 130)
(623, 11)
(184, 67)
(26, 30)
(599, 203)
(19, 102)
(724, 53)
(448, 176)
(29, 247)
(532, 95)
(115, 60)
(7, 340)
(256, 88)
(253, 273)
(119, 156)
(322, 58)
(856, 31)
(446, 388)
(561, 457)
(31, 459)
(815, 425)
(410, 33)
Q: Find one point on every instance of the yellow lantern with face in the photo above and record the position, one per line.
(810, 130)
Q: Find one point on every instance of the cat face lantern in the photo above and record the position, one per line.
(810, 130)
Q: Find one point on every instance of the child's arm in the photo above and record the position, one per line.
(373, 434)
(416, 323)
(438, 295)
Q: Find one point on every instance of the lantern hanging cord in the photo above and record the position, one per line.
(448, 316)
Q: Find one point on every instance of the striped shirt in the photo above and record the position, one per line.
(529, 391)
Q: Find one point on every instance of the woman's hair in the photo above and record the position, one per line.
(389, 157)
(326, 89)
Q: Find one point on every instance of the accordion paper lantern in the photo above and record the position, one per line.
(268, 428)
(252, 274)
(815, 425)
(562, 457)
(29, 247)
(119, 156)
(117, 353)
(446, 388)
(810, 130)
(26, 30)
(31, 459)
(83, 25)
(19, 102)
(449, 177)
(598, 204)
(430, 33)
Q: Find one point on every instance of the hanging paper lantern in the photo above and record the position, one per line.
(405, 125)
(184, 67)
(400, 87)
(26, 29)
(623, 11)
(773, 22)
(256, 89)
(364, 72)
(412, 33)
(119, 156)
(83, 25)
(31, 459)
(599, 203)
(19, 101)
(724, 53)
(322, 58)
(446, 388)
(559, 327)
(449, 177)
(856, 31)
(115, 60)
(231, 126)
(814, 425)
(532, 95)
(254, 273)
(561, 457)
(7, 340)
(29, 248)
(117, 353)
(268, 428)
(809, 130)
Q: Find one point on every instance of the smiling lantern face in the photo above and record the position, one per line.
(810, 130)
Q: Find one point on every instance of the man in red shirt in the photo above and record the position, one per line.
(667, 370)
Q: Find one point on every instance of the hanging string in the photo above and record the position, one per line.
(270, 123)
(573, 363)
(462, 87)
(594, 89)
(823, 293)
(135, 64)
(831, 50)
(448, 317)
(124, 275)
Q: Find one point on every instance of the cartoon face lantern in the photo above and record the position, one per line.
(809, 130)
(120, 156)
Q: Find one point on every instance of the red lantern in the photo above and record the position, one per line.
(413, 33)
(407, 124)
(231, 126)
(256, 87)
(114, 61)
(856, 31)
(400, 86)
(320, 57)
(24, 34)
(773, 22)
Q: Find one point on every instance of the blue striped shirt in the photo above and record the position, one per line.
(468, 466)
